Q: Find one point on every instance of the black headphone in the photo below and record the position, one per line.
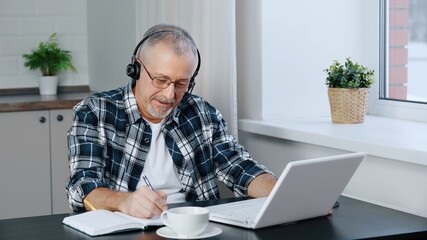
(133, 69)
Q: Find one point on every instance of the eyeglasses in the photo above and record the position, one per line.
(181, 86)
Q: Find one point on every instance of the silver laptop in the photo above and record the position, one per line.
(305, 189)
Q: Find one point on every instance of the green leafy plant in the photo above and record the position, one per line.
(349, 75)
(49, 58)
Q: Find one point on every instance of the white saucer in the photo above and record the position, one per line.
(209, 232)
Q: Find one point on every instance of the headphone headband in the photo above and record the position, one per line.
(134, 68)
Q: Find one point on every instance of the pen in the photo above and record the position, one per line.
(147, 182)
(91, 207)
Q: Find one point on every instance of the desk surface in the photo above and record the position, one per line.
(352, 220)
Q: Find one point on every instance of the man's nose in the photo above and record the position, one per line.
(170, 91)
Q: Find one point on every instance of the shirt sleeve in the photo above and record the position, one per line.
(235, 167)
(85, 154)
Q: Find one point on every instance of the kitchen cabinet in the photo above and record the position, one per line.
(60, 122)
(34, 163)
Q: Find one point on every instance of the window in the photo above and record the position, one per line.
(403, 60)
(405, 40)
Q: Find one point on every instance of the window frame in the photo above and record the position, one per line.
(378, 105)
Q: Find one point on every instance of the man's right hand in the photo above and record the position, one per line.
(144, 203)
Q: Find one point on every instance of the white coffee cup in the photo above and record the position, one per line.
(186, 221)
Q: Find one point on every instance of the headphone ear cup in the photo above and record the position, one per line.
(133, 70)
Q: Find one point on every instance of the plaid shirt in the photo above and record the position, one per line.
(109, 141)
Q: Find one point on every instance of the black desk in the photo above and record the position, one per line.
(352, 220)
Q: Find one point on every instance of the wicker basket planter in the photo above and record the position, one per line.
(348, 105)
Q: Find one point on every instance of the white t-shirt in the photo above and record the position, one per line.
(159, 167)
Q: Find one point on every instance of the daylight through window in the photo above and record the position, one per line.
(404, 57)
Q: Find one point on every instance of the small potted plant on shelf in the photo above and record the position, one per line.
(348, 90)
(51, 60)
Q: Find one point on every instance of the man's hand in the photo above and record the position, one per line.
(262, 185)
(144, 203)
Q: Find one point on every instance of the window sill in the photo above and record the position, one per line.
(378, 136)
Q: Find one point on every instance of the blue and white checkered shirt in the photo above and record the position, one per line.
(109, 141)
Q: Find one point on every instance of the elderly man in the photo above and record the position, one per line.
(154, 128)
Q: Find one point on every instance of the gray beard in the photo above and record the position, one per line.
(162, 113)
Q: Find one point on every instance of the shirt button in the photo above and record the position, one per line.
(146, 140)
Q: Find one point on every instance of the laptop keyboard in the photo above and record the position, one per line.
(244, 210)
(243, 213)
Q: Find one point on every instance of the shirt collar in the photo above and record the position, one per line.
(174, 115)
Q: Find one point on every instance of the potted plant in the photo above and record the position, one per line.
(348, 90)
(50, 59)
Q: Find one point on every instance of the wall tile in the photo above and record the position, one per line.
(36, 26)
(25, 23)
(56, 8)
(79, 7)
(80, 44)
(15, 46)
(80, 61)
(18, 8)
(8, 66)
(8, 26)
(71, 25)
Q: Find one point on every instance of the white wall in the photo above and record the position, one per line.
(249, 62)
(386, 182)
(111, 41)
(23, 24)
(298, 40)
(212, 26)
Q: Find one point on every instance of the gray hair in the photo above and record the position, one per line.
(179, 38)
